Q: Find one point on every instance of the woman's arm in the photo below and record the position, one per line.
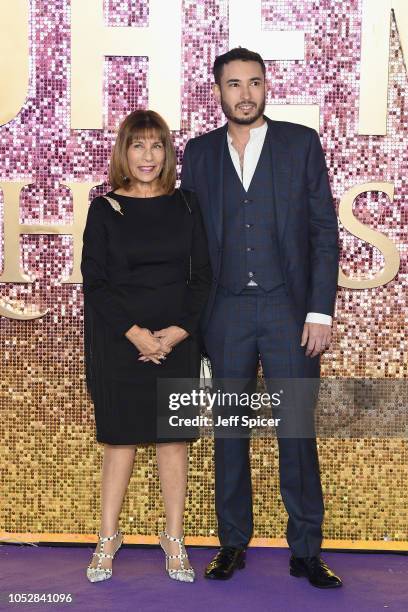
(187, 180)
(198, 288)
(96, 288)
(201, 274)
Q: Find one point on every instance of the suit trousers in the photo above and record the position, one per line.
(243, 329)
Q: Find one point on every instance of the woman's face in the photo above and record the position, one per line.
(146, 157)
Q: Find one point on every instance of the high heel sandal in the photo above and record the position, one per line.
(99, 573)
(183, 574)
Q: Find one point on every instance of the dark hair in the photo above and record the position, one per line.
(239, 53)
(142, 123)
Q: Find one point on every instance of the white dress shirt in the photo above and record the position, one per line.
(252, 154)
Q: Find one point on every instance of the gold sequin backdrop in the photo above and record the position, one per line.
(54, 147)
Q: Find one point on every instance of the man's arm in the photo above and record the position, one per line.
(318, 317)
(324, 252)
(323, 233)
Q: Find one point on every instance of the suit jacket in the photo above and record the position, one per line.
(307, 226)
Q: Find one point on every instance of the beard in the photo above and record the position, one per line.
(229, 113)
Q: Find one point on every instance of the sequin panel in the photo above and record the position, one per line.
(50, 462)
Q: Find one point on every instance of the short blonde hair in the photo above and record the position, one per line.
(142, 124)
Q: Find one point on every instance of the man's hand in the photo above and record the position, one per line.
(168, 338)
(317, 337)
(149, 347)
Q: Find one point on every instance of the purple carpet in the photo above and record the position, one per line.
(371, 582)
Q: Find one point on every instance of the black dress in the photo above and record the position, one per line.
(146, 263)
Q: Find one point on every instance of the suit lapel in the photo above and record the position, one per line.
(281, 174)
(215, 174)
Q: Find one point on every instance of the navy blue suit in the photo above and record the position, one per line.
(297, 270)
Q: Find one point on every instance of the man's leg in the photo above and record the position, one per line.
(230, 341)
(282, 357)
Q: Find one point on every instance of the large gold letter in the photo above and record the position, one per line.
(355, 227)
(91, 40)
(13, 58)
(13, 229)
(375, 44)
(245, 30)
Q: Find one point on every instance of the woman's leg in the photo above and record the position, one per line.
(172, 463)
(117, 469)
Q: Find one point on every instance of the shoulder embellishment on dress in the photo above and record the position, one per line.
(114, 203)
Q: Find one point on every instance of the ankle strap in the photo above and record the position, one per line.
(173, 539)
(108, 538)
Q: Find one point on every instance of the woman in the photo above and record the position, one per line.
(146, 278)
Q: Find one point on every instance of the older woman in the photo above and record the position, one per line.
(146, 278)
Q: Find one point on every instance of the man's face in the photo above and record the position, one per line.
(242, 92)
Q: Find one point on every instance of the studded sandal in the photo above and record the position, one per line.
(99, 573)
(182, 574)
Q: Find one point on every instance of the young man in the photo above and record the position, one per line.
(273, 239)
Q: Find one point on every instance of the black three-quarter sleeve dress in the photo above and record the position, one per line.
(144, 261)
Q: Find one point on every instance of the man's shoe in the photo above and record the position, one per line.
(225, 562)
(315, 570)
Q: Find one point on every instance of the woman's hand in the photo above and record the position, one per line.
(150, 347)
(171, 336)
(168, 338)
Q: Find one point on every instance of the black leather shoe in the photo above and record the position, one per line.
(225, 562)
(315, 570)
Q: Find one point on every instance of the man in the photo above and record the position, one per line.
(273, 240)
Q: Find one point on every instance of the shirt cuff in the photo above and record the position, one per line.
(317, 317)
